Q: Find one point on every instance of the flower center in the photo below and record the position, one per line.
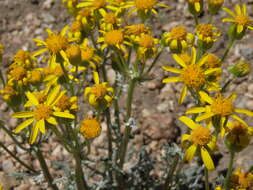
(222, 106)
(110, 18)
(206, 30)
(99, 91)
(178, 33)
(90, 128)
(56, 43)
(87, 54)
(146, 41)
(242, 19)
(201, 135)
(144, 4)
(76, 27)
(212, 61)
(64, 103)
(99, 3)
(114, 37)
(18, 73)
(42, 112)
(193, 76)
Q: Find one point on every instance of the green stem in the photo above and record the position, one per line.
(45, 170)
(154, 62)
(206, 180)
(230, 44)
(171, 172)
(17, 159)
(123, 148)
(196, 19)
(79, 175)
(229, 172)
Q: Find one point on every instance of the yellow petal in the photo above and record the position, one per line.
(179, 60)
(194, 55)
(204, 116)
(53, 95)
(239, 119)
(52, 121)
(23, 114)
(238, 9)
(64, 56)
(229, 12)
(87, 91)
(205, 97)
(182, 94)
(96, 77)
(185, 137)
(38, 52)
(208, 162)
(190, 152)
(188, 122)
(244, 9)
(246, 112)
(174, 45)
(196, 110)
(211, 71)
(228, 20)
(171, 69)
(33, 100)
(64, 114)
(239, 28)
(34, 133)
(197, 6)
(23, 125)
(172, 79)
(41, 125)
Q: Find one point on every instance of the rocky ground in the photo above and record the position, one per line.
(155, 104)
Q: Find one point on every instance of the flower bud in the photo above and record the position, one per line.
(240, 69)
(214, 6)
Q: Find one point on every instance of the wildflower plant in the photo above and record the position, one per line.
(46, 90)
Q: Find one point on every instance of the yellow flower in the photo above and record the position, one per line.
(242, 180)
(66, 103)
(178, 39)
(218, 106)
(240, 18)
(136, 30)
(41, 114)
(8, 92)
(55, 44)
(240, 68)
(207, 33)
(238, 136)
(219, 188)
(41, 96)
(35, 76)
(200, 139)
(100, 95)
(144, 6)
(24, 59)
(195, 6)
(192, 75)
(86, 18)
(75, 31)
(90, 128)
(212, 61)
(18, 75)
(110, 21)
(114, 38)
(73, 53)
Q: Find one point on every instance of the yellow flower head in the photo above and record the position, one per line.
(90, 128)
(218, 106)
(200, 138)
(240, 68)
(75, 31)
(18, 75)
(8, 92)
(35, 76)
(55, 44)
(66, 103)
(192, 74)
(93, 4)
(212, 61)
(178, 39)
(100, 95)
(40, 114)
(238, 136)
(207, 33)
(186, 58)
(86, 19)
(240, 18)
(137, 29)
(23, 58)
(73, 53)
(242, 180)
(110, 21)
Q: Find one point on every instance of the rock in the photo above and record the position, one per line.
(163, 107)
(48, 18)
(146, 112)
(23, 187)
(6, 181)
(249, 105)
(8, 166)
(250, 89)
